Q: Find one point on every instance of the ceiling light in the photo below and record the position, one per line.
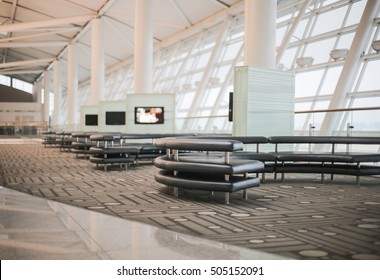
(305, 61)
(339, 54)
(376, 45)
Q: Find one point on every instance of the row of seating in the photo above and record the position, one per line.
(187, 166)
(107, 149)
(226, 163)
(205, 168)
(122, 149)
(324, 158)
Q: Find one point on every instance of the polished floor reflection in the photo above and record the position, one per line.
(37, 228)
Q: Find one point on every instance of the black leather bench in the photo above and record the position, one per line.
(49, 138)
(122, 155)
(81, 143)
(118, 148)
(205, 164)
(326, 162)
(332, 161)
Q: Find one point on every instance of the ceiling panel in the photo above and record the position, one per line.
(170, 19)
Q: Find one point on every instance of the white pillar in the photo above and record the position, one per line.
(46, 97)
(37, 92)
(57, 93)
(72, 88)
(260, 33)
(143, 47)
(97, 62)
(37, 87)
(350, 67)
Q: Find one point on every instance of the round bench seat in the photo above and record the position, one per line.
(115, 150)
(206, 165)
(193, 181)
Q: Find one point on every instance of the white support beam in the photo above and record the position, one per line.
(44, 23)
(32, 44)
(289, 34)
(143, 46)
(72, 87)
(19, 72)
(350, 68)
(46, 96)
(57, 93)
(260, 33)
(97, 62)
(106, 6)
(26, 63)
(215, 54)
(41, 34)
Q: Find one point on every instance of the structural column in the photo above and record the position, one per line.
(350, 67)
(143, 47)
(72, 87)
(47, 97)
(37, 92)
(97, 62)
(57, 93)
(260, 33)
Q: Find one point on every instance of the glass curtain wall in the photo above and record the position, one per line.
(199, 69)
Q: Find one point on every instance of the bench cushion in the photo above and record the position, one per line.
(214, 166)
(327, 157)
(195, 144)
(116, 150)
(195, 182)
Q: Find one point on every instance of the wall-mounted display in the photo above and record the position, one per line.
(149, 115)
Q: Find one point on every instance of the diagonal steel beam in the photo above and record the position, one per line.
(44, 23)
(34, 44)
(25, 62)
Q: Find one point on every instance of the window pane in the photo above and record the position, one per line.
(356, 13)
(320, 50)
(371, 79)
(307, 83)
(330, 20)
(331, 80)
(4, 80)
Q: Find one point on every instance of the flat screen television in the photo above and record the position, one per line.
(91, 119)
(149, 115)
(115, 118)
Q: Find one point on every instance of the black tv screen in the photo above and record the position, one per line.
(115, 118)
(149, 115)
(91, 119)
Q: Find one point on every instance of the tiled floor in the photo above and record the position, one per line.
(37, 228)
(300, 218)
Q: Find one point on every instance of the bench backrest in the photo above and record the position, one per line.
(196, 144)
(324, 140)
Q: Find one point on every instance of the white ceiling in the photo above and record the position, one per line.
(33, 33)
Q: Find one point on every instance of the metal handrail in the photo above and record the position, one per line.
(337, 110)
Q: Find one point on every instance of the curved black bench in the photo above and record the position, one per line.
(190, 163)
(255, 153)
(49, 138)
(118, 148)
(63, 140)
(207, 165)
(194, 181)
(326, 162)
(114, 155)
(81, 143)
